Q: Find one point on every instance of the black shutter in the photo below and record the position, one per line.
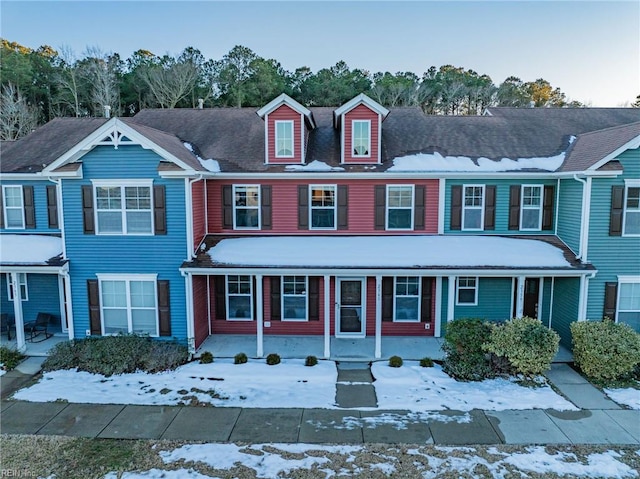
(87, 210)
(617, 208)
(29, 207)
(610, 300)
(276, 298)
(425, 306)
(456, 208)
(387, 299)
(343, 207)
(227, 207)
(514, 207)
(164, 307)
(160, 210)
(548, 202)
(380, 201)
(221, 297)
(93, 292)
(490, 207)
(418, 208)
(314, 298)
(265, 214)
(52, 206)
(303, 207)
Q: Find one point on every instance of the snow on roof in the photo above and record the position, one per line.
(210, 164)
(388, 251)
(315, 165)
(29, 249)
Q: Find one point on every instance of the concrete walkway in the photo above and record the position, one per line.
(599, 421)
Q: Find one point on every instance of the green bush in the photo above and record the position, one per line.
(395, 361)
(426, 362)
(526, 343)
(10, 358)
(120, 354)
(311, 361)
(605, 351)
(273, 359)
(464, 357)
(206, 358)
(240, 358)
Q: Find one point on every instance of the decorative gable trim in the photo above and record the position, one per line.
(630, 145)
(354, 102)
(285, 99)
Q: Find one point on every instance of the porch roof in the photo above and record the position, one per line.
(31, 250)
(388, 252)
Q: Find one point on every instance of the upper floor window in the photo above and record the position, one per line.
(531, 210)
(473, 207)
(407, 299)
(124, 208)
(129, 304)
(361, 137)
(246, 206)
(294, 298)
(400, 207)
(22, 280)
(322, 206)
(284, 139)
(632, 211)
(239, 297)
(13, 207)
(467, 291)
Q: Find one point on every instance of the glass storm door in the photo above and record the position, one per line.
(350, 320)
(531, 297)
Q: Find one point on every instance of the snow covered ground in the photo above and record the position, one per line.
(630, 397)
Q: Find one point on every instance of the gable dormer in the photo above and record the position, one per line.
(286, 130)
(360, 124)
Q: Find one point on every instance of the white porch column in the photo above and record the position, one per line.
(259, 319)
(66, 279)
(327, 317)
(191, 336)
(520, 296)
(451, 299)
(582, 301)
(378, 351)
(17, 312)
(438, 309)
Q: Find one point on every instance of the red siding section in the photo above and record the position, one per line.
(221, 325)
(390, 328)
(200, 309)
(199, 212)
(296, 328)
(284, 112)
(361, 112)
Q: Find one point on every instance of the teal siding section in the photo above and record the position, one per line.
(40, 202)
(545, 308)
(502, 204)
(611, 255)
(93, 254)
(570, 213)
(494, 301)
(565, 307)
(43, 292)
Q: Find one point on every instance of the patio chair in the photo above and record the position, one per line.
(38, 327)
(6, 325)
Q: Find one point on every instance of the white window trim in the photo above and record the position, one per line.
(5, 207)
(335, 207)
(306, 297)
(396, 296)
(227, 295)
(293, 143)
(353, 137)
(387, 207)
(122, 184)
(259, 207)
(624, 280)
(465, 208)
(127, 278)
(475, 299)
(24, 283)
(522, 207)
(629, 183)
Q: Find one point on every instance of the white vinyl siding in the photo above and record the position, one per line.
(239, 298)
(123, 208)
(322, 207)
(246, 207)
(406, 299)
(400, 207)
(13, 203)
(284, 139)
(294, 298)
(361, 138)
(473, 207)
(531, 208)
(129, 304)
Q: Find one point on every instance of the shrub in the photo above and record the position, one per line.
(526, 343)
(605, 351)
(395, 361)
(311, 361)
(426, 362)
(206, 358)
(240, 358)
(273, 359)
(10, 358)
(120, 354)
(464, 356)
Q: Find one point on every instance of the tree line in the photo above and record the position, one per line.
(41, 84)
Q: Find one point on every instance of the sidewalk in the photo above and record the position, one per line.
(600, 421)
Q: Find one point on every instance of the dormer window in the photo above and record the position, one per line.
(361, 137)
(284, 139)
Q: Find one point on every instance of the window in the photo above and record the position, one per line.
(531, 211)
(400, 207)
(406, 305)
(284, 139)
(13, 207)
(323, 206)
(239, 297)
(632, 211)
(467, 291)
(22, 280)
(128, 305)
(361, 137)
(629, 303)
(124, 209)
(246, 207)
(294, 298)
(473, 207)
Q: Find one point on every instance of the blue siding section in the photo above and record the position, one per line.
(544, 309)
(40, 202)
(570, 213)
(565, 307)
(494, 301)
(43, 296)
(93, 254)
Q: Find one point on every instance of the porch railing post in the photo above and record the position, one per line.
(378, 351)
(327, 316)
(259, 319)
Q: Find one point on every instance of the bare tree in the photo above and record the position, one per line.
(17, 117)
(171, 81)
(68, 80)
(101, 72)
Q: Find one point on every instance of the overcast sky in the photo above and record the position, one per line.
(591, 50)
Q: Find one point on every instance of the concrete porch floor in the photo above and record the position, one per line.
(40, 349)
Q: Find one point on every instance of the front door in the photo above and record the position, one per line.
(350, 320)
(531, 297)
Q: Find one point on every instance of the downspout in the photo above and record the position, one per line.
(582, 300)
(584, 219)
(58, 183)
(189, 216)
